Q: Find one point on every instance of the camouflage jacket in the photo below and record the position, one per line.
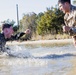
(70, 19)
(3, 40)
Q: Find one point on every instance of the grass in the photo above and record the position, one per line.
(51, 37)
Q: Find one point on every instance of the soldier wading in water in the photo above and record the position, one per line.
(7, 35)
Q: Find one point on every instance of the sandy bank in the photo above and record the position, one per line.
(40, 42)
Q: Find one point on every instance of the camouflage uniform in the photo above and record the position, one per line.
(3, 40)
(70, 19)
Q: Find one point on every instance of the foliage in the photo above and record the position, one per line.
(74, 1)
(12, 22)
(29, 21)
(50, 22)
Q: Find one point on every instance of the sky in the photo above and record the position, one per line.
(8, 8)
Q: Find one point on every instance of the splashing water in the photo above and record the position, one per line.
(38, 60)
(20, 52)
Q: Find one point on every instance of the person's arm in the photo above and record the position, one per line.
(20, 34)
(17, 36)
(66, 27)
(2, 43)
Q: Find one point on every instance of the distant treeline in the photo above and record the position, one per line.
(49, 22)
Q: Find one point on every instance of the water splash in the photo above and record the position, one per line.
(39, 61)
(41, 52)
(18, 51)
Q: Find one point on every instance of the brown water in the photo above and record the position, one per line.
(39, 60)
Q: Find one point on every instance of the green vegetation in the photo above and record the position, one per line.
(43, 24)
(47, 25)
(51, 22)
(74, 1)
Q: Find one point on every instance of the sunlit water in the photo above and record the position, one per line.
(38, 60)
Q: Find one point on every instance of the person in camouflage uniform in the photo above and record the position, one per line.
(69, 18)
(7, 35)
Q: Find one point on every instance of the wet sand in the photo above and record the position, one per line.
(40, 42)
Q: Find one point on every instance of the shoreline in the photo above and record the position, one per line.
(40, 42)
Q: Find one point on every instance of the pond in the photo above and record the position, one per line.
(39, 60)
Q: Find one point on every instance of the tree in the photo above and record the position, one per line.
(29, 21)
(50, 22)
(12, 22)
(57, 20)
(74, 2)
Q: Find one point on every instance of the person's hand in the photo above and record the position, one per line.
(27, 31)
(66, 28)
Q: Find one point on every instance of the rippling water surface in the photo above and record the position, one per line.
(39, 60)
